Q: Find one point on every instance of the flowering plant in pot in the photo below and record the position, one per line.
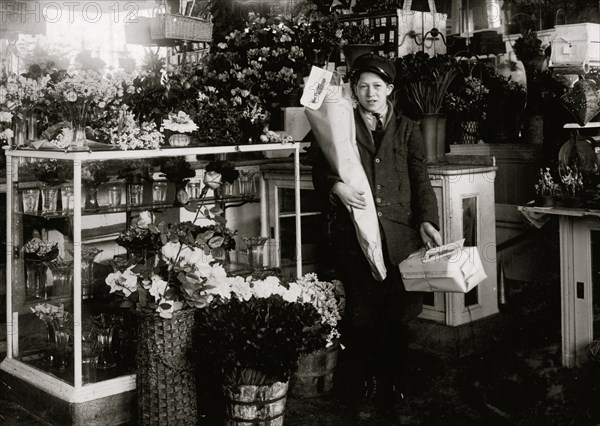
(179, 124)
(465, 104)
(545, 189)
(48, 171)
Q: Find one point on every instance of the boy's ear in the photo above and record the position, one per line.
(390, 89)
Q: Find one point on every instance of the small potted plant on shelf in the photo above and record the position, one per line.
(59, 328)
(180, 125)
(572, 181)
(545, 189)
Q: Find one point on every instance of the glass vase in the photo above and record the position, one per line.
(91, 198)
(49, 198)
(31, 200)
(135, 194)
(60, 346)
(36, 279)
(67, 198)
(88, 255)
(181, 195)
(79, 141)
(62, 278)
(255, 251)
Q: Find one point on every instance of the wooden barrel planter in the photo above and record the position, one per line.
(315, 373)
(248, 405)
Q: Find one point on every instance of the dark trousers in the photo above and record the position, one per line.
(375, 324)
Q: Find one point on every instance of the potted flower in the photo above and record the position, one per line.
(545, 189)
(253, 332)
(356, 40)
(466, 104)
(179, 124)
(424, 81)
(572, 182)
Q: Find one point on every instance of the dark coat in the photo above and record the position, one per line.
(399, 181)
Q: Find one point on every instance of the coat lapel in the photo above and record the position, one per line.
(363, 135)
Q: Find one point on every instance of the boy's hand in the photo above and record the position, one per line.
(349, 195)
(430, 236)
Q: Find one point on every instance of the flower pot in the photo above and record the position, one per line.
(258, 405)
(179, 140)
(469, 132)
(314, 376)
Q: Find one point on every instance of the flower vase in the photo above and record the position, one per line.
(36, 279)
(181, 195)
(60, 346)
(135, 194)
(255, 251)
(79, 141)
(165, 379)
(105, 346)
(469, 132)
(429, 129)
(62, 278)
(91, 198)
(251, 404)
(49, 198)
(179, 140)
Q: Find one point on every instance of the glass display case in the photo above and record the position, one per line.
(64, 336)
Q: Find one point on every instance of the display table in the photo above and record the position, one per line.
(578, 228)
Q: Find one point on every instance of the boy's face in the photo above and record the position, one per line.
(372, 91)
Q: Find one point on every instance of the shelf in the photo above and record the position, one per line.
(146, 206)
(303, 214)
(591, 125)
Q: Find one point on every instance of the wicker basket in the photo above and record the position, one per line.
(165, 377)
(170, 26)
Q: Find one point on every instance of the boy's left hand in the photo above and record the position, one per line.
(430, 236)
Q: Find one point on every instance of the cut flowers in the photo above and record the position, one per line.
(468, 101)
(179, 123)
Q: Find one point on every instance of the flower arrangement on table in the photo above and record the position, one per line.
(255, 330)
(49, 313)
(6, 133)
(81, 95)
(129, 134)
(48, 171)
(545, 185)
(179, 124)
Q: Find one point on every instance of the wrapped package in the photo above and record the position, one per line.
(333, 126)
(448, 268)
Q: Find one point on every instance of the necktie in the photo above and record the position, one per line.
(378, 132)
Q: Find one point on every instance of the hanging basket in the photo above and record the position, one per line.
(180, 27)
(583, 100)
(165, 381)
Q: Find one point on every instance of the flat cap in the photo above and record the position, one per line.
(370, 62)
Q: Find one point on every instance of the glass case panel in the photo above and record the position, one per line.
(595, 250)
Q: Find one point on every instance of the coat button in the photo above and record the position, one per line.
(379, 214)
(377, 160)
(378, 186)
(378, 199)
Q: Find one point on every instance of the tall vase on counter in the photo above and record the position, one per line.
(433, 138)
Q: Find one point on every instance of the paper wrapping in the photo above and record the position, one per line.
(333, 127)
(450, 268)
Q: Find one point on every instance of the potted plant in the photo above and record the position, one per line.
(179, 124)
(128, 133)
(466, 104)
(545, 189)
(357, 40)
(59, 329)
(253, 331)
(424, 81)
(572, 182)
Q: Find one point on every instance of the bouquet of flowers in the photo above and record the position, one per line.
(52, 172)
(129, 134)
(138, 238)
(572, 180)
(254, 330)
(38, 250)
(180, 123)
(6, 132)
(468, 102)
(50, 313)
(174, 278)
